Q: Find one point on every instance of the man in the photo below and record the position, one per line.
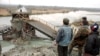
(64, 37)
(80, 36)
(84, 21)
(92, 43)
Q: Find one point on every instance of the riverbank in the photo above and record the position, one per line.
(35, 47)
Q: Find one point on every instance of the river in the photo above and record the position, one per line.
(54, 19)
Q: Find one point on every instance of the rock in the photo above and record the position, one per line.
(37, 54)
(48, 52)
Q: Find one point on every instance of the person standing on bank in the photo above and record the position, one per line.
(92, 44)
(84, 21)
(64, 36)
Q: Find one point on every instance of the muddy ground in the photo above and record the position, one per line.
(34, 48)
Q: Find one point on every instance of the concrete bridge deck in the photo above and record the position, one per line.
(43, 28)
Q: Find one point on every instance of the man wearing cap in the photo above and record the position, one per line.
(92, 45)
(64, 37)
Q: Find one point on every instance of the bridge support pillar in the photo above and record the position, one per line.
(28, 32)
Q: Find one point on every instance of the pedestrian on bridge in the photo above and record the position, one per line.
(64, 36)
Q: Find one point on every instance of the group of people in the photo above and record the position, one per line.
(65, 35)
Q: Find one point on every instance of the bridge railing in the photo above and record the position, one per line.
(45, 22)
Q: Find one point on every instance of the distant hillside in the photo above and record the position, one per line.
(4, 12)
(45, 9)
(30, 7)
(35, 9)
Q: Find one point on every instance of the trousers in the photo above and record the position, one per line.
(62, 50)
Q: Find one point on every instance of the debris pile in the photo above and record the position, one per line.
(32, 51)
(20, 41)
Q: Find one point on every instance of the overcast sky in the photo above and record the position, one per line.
(65, 3)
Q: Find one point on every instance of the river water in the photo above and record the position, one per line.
(54, 19)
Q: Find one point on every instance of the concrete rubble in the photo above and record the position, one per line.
(32, 51)
(26, 48)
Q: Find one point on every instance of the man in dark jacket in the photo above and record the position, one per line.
(84, 21)
(92, 45)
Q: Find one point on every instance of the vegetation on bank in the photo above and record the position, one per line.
(4, 15)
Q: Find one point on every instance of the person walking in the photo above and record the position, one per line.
(64, 36)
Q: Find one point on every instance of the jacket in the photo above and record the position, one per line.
(85, 22)
(92, 46)
(64, 35)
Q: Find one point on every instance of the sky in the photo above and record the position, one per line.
(64, 3)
